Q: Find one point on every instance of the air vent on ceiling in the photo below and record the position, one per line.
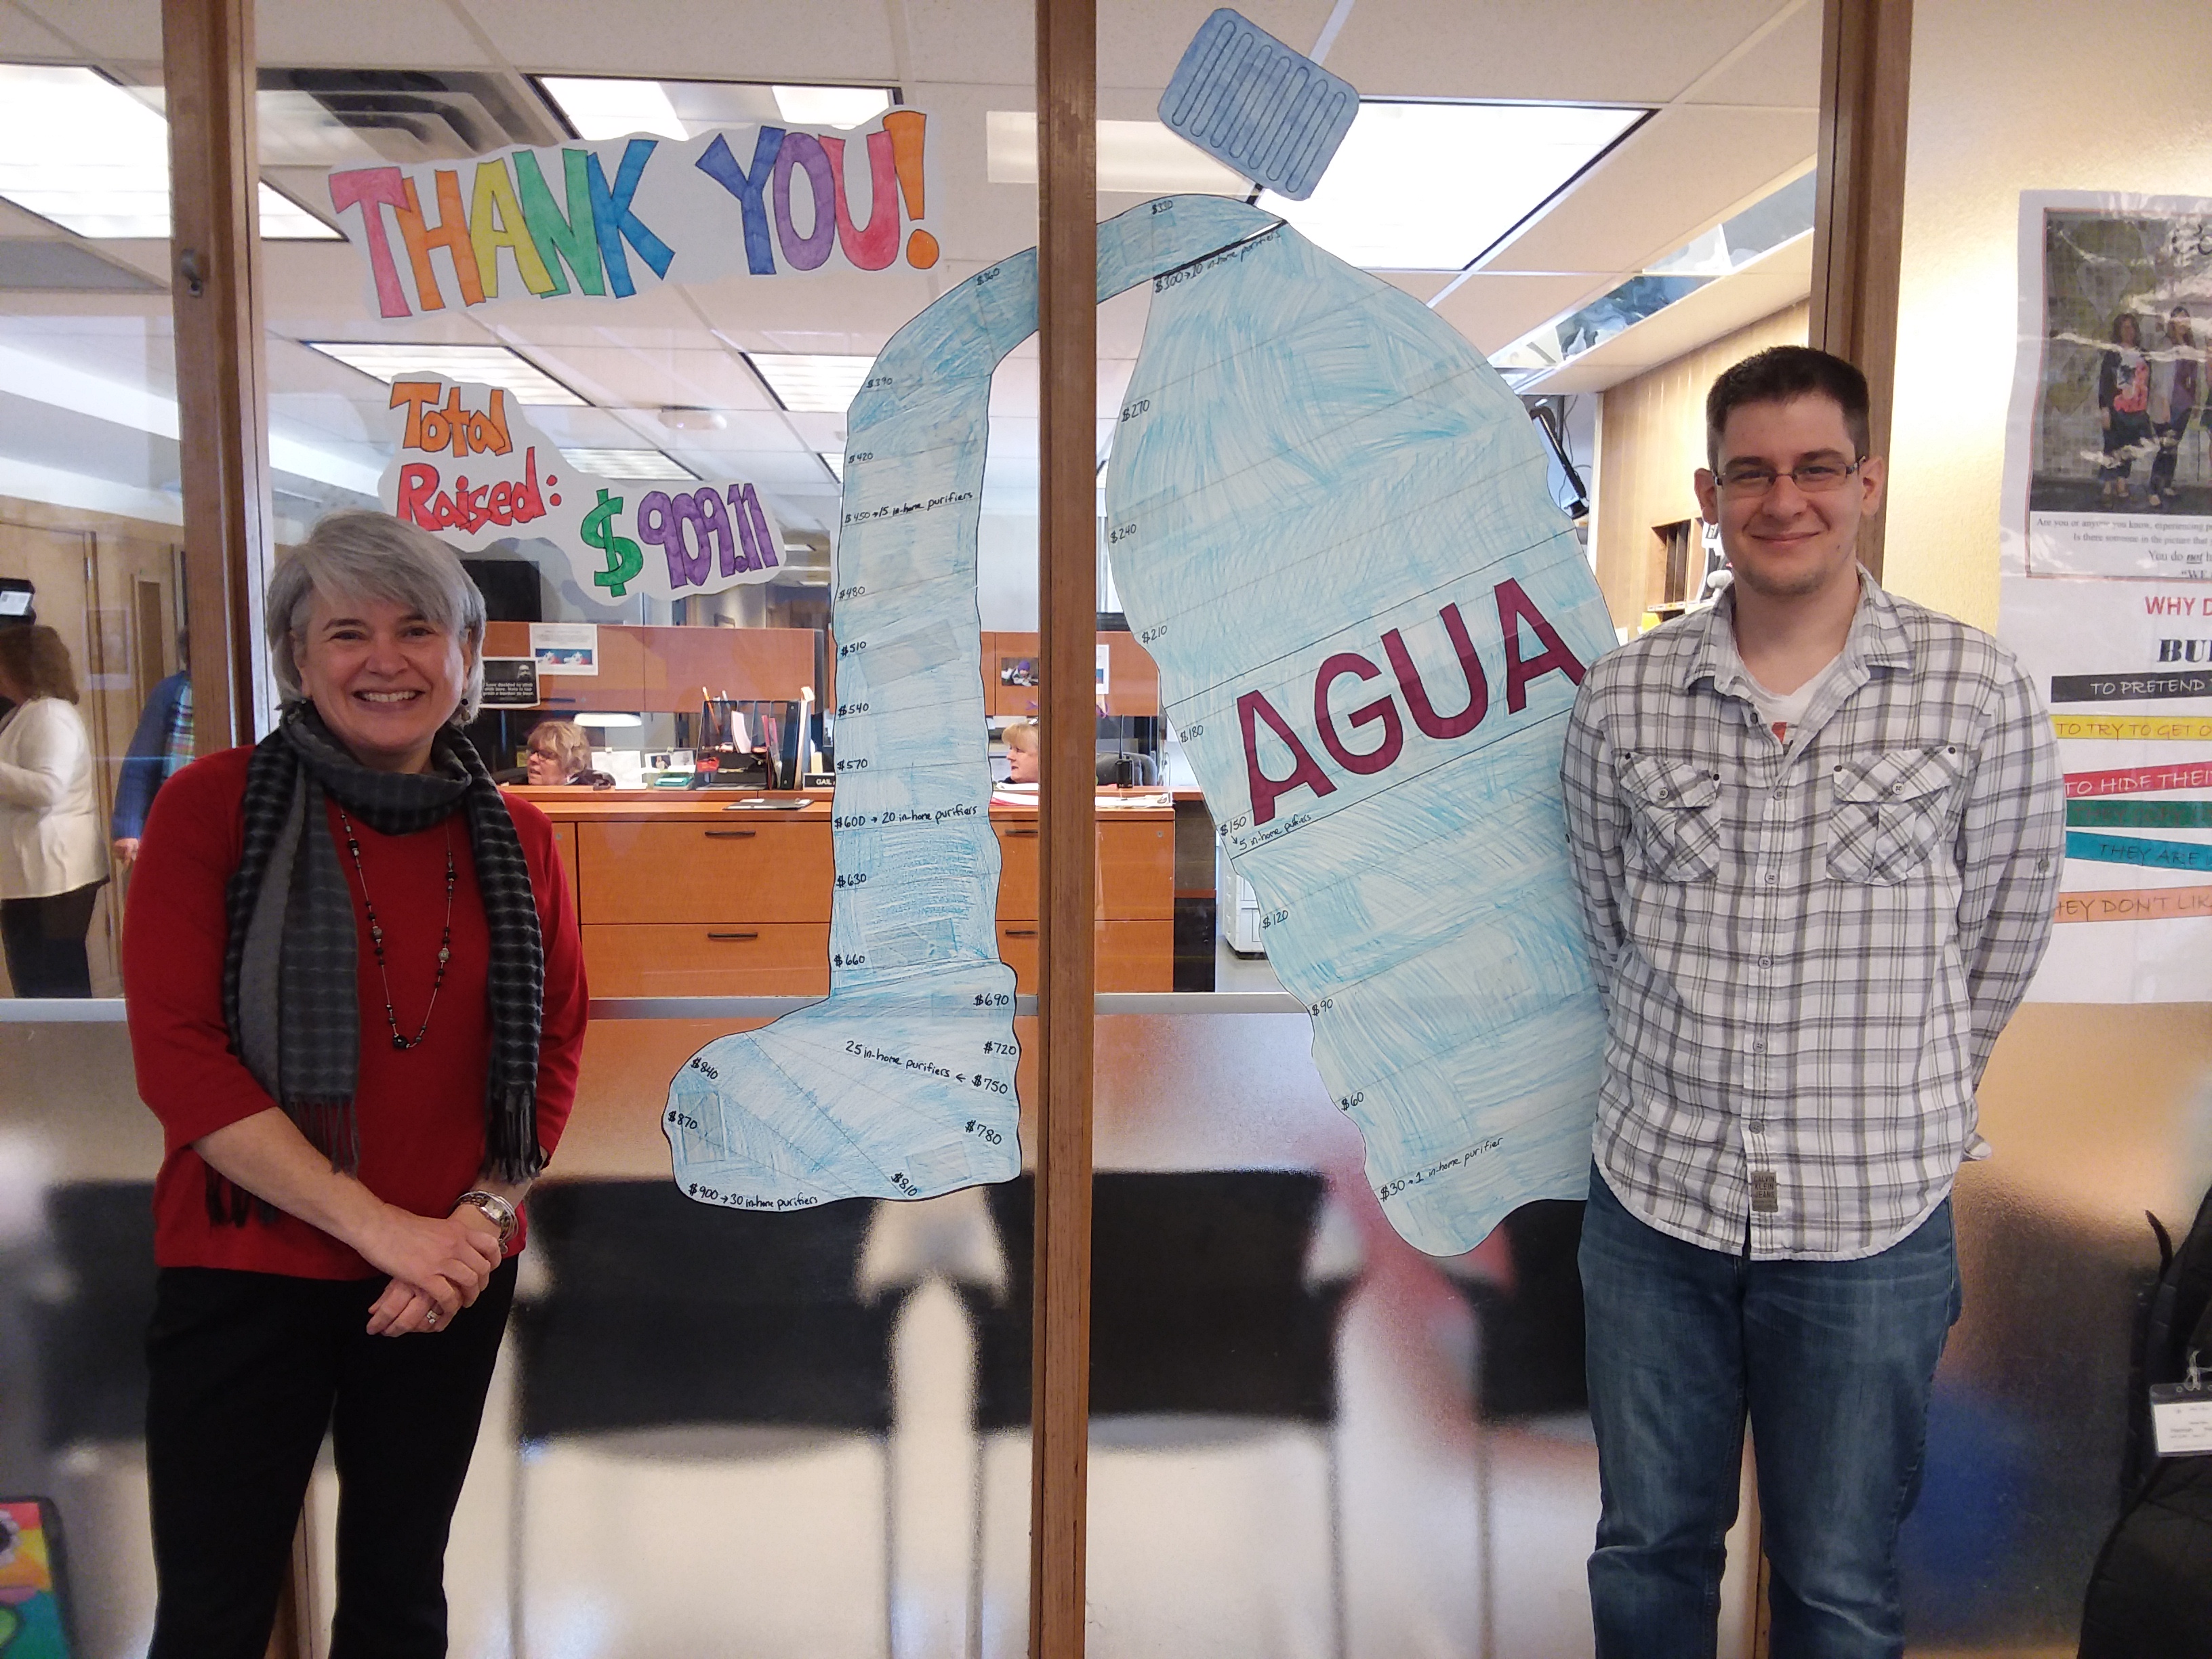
(418, 115)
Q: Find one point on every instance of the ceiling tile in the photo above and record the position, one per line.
(743, 430)
(1594, 51)
(112, 31)
(21, 225)
(24, 40)
(389, 34)
(1782, 68)
(1680, 172)
(838, 312)
(827, 40)
(982, 42)
(703, 376)
(1141, 41)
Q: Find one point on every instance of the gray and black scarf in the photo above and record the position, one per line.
(289, 996)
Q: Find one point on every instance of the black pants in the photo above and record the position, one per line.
(2125, 432)
(43, 938)
(247, 1370)
(2168, 433)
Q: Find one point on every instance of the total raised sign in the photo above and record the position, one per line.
(470, 468)
(760, 201)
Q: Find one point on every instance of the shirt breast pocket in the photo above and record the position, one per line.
(1674, 819)
(1888, 812)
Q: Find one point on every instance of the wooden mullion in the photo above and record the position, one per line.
(214, 275)
(1067, 328)
(1866, 72)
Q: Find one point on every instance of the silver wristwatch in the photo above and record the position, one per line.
(501, 1212)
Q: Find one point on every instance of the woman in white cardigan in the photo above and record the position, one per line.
(53, 855)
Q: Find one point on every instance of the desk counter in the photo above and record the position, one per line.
(684, 893)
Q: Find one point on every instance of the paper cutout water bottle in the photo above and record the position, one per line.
(1328, 523)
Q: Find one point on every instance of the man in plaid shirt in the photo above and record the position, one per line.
(1817, 833)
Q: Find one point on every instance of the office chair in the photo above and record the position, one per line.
(1527, 1351)
(91, 1324)
(1201, 1310)
(675, 1340)
(1127, 770)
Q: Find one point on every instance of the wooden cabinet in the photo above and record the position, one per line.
(1136, 869)
(665, 669)
(1132, 956)
(685, 898)
(760, 959)
(564, 839)
(723, 872)
(1011, 663)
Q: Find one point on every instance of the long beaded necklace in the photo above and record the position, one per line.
(376, 935)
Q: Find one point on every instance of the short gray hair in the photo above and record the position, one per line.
(360, 554)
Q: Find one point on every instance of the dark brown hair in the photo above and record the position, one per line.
(1782, 374)
(37, 662)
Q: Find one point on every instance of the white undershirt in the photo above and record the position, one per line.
(1783, 710)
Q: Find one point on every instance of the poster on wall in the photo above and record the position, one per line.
(2105, 578)
(565, 647)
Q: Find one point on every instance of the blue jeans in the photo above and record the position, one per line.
(1831, 1360)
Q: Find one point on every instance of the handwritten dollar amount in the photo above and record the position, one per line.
(704, 533)
(625, 559)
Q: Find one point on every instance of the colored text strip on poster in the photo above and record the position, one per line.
(2138, 781)
(2135, 728)
(2139, 815)
(2129, 849)
(2137, 904)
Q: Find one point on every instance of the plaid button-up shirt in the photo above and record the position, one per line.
(1807, 950)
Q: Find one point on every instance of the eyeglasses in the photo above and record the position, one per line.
(1744, 483)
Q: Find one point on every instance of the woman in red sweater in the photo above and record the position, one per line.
(356, 1000)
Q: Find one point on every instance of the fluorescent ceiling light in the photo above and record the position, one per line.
(587, 717)
(599, 108)
(482, 365)
(78, 149)
(1141, 158)
(283, 219)
(831, 106)
(1432, 186)
(643, 463)
(815, 383)
(835, 461)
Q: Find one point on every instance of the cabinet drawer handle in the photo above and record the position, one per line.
(1010, 833)
(730, 834)
(1021, 932)
(732, 936)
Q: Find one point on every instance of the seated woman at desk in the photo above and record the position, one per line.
(1022, 752)
(560, 753)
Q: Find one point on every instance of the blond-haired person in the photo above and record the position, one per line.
(1022, 752)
